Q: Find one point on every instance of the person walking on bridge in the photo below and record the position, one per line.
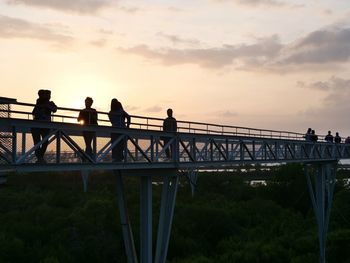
(88, 116)
(169, 125)
(42, 112)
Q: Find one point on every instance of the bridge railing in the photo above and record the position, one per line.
(23, 110)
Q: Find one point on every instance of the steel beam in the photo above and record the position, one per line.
(85, 176)
(170, 185)
(146, 219)
(124, 220)
(321, 194)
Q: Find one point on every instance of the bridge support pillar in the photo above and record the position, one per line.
(85, 176)
(167, 207)
(321, 194)
(168, 199)
(125, 222)
(146, 219)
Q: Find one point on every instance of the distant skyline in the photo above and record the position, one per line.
(272, 64)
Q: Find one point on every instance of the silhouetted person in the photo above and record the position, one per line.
(119, 119)
(347, 140)
(329, 137)
(308, 134)
(88, 116)
(313, 136)
(42, 112)
(337, 138)
(169, 125)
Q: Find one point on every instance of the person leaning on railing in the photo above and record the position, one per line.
(42, 112)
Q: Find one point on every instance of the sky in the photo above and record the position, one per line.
(272, 64)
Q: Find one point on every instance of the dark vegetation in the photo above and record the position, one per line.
(47, 218)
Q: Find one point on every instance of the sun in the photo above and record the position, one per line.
(75, 89)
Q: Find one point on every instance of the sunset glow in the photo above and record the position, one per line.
(280, 64)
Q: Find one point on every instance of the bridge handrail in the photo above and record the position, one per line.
(154, 123)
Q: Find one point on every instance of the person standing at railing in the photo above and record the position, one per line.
(307, 135)
(42, 112)
(313, 137)
(119, 119)
(88, 116)
(337, 138)
(347, 140)
(169, 125)
(329, 137)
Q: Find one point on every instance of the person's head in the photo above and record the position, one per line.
(41, 93)
(329, 132)
(313, 132)
(309, 130)
(116, 105)
(170, 112)
(337, 133)
(47, 94)
(88, 102)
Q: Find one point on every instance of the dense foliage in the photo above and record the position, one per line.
(48, 218)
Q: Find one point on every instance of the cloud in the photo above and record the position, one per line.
(335, 107)
(318, 85)
(105, 31)
(175, 9)
(210, 57)
(174, 39)
(154, 109)
(258, 2)
(130, 10)
(17, 28)
(131, 108)
(76, 6)
(316, 50)
(261, 3)
(228, 114)
(323, 46)
(99, 43)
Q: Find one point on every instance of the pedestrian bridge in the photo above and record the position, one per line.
(195, 146)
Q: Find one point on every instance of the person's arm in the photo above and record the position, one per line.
(165, 126)
(95, 117)
(80, 117)
(110, 117)
(52, 106)
(175, 125)
(128, 119)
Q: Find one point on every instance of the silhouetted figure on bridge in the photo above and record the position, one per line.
(347, 140)
(169, 125)
(42, 112)
(313, 136)
(308, 134)
(337, 138)
(329, 137)
(88, 116)
(119, 119)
